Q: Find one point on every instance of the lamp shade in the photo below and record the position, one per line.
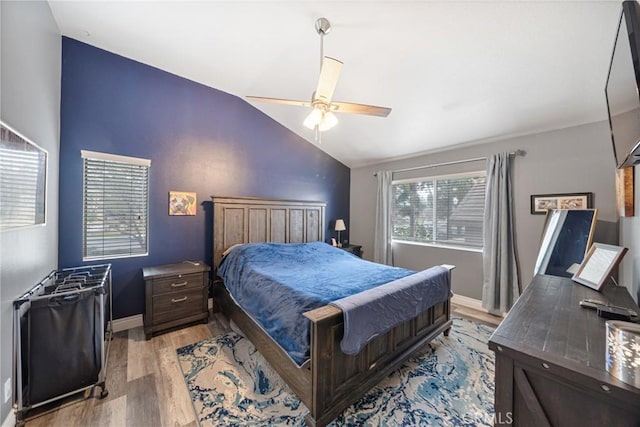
(314, 118)
(340, 225)
(329, 120)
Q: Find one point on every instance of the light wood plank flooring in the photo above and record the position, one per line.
(145, 383)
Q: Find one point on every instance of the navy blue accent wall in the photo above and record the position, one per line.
(197, 138)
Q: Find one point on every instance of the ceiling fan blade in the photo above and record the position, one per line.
(350, 108)
(328, 79)
(280, 101)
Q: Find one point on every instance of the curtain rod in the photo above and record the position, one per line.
(455, 162)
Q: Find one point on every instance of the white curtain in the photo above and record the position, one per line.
(501, 284)
(382, 239)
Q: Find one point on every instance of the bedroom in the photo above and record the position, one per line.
(50, 88)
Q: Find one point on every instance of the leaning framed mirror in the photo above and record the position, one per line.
(566, 238)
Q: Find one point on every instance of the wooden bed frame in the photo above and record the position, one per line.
(331, 381)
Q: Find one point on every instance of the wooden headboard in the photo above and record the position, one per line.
(252, 220)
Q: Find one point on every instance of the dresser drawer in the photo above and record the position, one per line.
(177, 305)
(177, 283)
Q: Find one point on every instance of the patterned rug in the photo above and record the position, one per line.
(449, 383)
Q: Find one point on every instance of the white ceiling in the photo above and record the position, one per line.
(453, 72)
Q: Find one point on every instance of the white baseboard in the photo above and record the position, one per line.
(10, 421)
(127, 323)
(131, 322)
(473, 303)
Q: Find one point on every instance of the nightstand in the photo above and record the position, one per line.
(354, 249)
(175, 294)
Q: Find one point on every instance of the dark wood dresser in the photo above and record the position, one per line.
(550, 360)
(175, 294)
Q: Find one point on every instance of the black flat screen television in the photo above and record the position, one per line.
(621, 91)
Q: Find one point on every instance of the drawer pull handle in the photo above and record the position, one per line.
(179, 285)
(179, 299)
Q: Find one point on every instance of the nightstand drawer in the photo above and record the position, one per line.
(177, 283)
(177, 305)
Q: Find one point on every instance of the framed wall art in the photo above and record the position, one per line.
(541, 202)
(182, 203)
(625, 192)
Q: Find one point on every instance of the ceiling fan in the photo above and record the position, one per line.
(322, 117)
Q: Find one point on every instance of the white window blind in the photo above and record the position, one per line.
(116, 204)
(446, 210)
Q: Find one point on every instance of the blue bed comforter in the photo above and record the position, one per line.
(275, 283)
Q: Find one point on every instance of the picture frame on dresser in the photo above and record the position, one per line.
(598, 264)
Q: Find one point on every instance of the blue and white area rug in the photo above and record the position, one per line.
(449, 383)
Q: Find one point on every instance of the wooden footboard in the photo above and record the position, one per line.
(333, 380)
(338, 379)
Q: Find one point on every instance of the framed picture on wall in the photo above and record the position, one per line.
(182, 203)
(541, 202)
(625, 192)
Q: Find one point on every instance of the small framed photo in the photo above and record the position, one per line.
(182, 203)
(541, 202)
(598, 265)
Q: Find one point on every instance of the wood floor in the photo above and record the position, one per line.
(145, 383)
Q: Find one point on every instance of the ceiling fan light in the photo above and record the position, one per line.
(313, 119)
(329, 120)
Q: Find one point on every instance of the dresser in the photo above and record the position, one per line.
(550, 360)
(175, 294)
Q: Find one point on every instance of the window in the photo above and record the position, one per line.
(442, 210)
(116, 204)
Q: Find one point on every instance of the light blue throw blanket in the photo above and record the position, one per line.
(276, 283)
(374, 312)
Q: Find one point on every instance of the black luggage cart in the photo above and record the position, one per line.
(59, 332)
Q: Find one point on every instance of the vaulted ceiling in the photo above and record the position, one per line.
(453, 72)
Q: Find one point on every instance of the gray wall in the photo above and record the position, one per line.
(630, 238)
(577, 159)
(30, 87)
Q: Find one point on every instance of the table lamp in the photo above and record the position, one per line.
(340, 227)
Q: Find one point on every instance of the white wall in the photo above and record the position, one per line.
(30, 86)
(577, 159)
(630, 238)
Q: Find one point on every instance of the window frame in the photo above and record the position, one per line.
(93, 155)
(433, 179)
